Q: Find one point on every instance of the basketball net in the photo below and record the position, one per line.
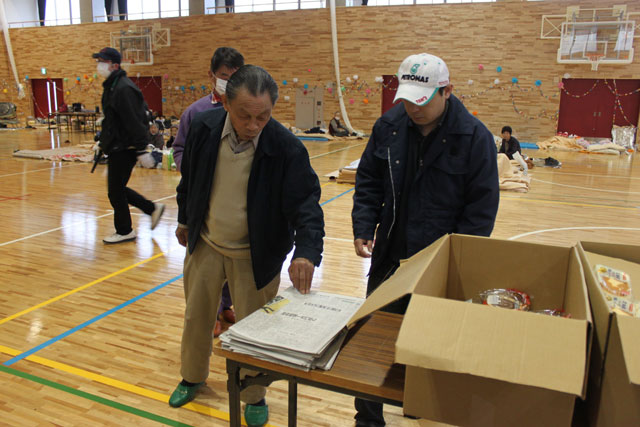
(595, 60)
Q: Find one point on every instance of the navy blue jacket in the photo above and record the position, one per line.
(456, 191)
(282, 194)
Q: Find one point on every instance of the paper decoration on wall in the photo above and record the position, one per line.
(475, 113)
(514, 80)
(348, 80)
(538, 83)
(286, 97)
(496, 81)
(355, 77)
(480, 67)
(470, 82)
(365, 101)
(567, 76)
(284, 82)
(295, 80)
(306, 86)
(351, 101)
(499, 69)
(379, 79)
(560, 85)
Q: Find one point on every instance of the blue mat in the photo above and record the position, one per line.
(312, 138)
(528, 145)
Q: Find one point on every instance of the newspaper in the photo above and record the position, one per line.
(304, 331)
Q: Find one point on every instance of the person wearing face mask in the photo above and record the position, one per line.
(336, 128)
(224, 62)
(125, 131)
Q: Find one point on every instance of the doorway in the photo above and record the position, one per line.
(48, 96)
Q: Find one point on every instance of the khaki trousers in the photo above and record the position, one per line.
(205, 272)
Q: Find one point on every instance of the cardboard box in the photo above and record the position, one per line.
(614, 379)
(472, 364)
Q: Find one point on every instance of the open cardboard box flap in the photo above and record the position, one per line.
(627, 259)
(629, 328)
(445, 333)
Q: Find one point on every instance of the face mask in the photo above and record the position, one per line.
(103, 69)
(221, 86)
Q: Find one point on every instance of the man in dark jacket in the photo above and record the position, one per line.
(247, 193)
(429, 169)
(125, 130)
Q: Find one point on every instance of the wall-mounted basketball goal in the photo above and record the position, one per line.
(593, 36)
(137, 44)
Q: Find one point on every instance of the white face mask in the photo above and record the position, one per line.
(221, 86)
(103, 69)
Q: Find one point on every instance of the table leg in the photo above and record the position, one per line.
(233, 387)
(293, 402)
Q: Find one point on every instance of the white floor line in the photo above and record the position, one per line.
(570, 228)
(593, 175)
(40, 170)
(585, 188)
(71, 225)
(339, 239)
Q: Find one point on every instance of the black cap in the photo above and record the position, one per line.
(108, 54)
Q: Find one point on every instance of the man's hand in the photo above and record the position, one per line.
(364, 248)
(301, 274)
(182, 234)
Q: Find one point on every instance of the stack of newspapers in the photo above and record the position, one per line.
(301, 331)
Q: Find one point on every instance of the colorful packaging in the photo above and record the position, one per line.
(505, 298)
(614, 282)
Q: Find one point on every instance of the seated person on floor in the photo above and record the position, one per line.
(156, 137)
(336, 128)
(509, 145)
(174, 132)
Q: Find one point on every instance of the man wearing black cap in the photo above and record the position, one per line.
(125, 130)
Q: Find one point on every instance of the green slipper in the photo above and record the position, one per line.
(256, 416)
(183, 394)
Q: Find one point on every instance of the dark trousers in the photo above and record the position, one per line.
(119, 171)
(370, 413)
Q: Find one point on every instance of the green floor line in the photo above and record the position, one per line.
(98, 399)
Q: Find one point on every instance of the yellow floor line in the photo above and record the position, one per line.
(83, 287)
(195, 407)
(553, 202)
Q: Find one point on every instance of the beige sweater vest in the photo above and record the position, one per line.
(226, 227)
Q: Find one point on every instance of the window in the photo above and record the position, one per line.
(150, 9)
(62, 12)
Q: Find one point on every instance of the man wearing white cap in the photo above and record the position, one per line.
(429, 169)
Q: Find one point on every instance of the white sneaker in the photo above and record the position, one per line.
(119, 238)
(157, 214)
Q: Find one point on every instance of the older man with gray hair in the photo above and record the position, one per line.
(247, 194)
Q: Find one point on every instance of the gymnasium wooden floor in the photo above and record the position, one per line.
(90, 334)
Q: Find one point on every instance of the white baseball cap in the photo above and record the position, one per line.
(419, 78)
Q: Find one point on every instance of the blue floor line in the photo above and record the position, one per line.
(87, 323)
(339, 195)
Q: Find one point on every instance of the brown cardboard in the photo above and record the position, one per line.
(614, 379)
(469, 362)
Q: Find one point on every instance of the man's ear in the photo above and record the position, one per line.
(448, 90)
(225, 102)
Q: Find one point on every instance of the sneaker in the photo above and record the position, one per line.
(119, 238)
(157, 214)
(256, 415)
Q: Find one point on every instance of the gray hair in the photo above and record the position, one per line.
(255, 80)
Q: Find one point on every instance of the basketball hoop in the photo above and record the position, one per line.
(595, 59)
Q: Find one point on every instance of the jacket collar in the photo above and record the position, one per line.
(458, 121)
(113, 77)
(215, 121)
